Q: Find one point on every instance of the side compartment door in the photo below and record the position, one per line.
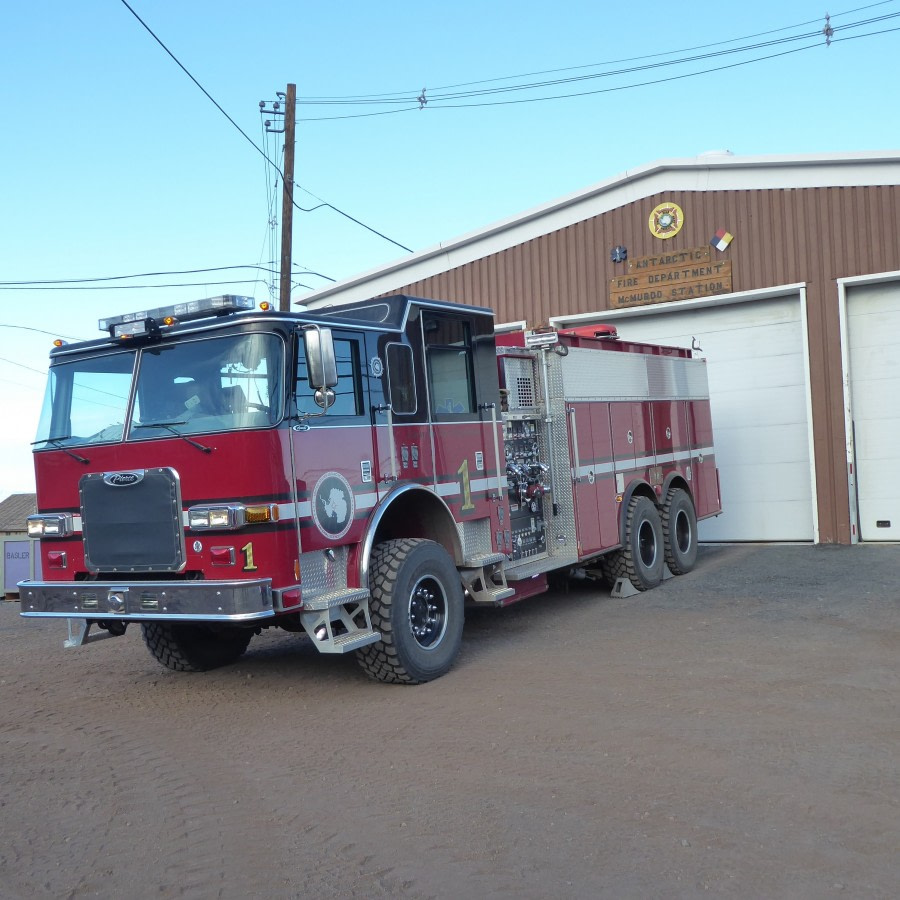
(584, 474)
(596, 510)
(705, 481)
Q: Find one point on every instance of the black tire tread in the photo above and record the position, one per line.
(676, 566)
(381, 660)
(176, 646)
(620, 563)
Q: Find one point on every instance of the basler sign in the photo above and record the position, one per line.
(679, 275)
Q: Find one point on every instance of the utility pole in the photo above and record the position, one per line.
(287, 199)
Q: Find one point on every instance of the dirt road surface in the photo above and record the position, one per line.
(733, 733)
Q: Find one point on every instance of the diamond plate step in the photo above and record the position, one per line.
(346, 643)
(336, 598)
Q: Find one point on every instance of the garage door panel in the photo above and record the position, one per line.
(773, 444)
(783, 481)
(780, 372)
(879, 442)
(873, 330)
(870, 330)
(758, 397)
(777, 406)
(746, 520)
(746, 344)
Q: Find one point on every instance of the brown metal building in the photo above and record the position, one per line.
(784, 270)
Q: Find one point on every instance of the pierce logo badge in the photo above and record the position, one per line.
(123, 479)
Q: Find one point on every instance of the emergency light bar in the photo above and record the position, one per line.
(541, 338)
(147, 322)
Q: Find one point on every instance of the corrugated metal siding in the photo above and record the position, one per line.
(811, 235)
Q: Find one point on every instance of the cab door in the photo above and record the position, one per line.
(332, 452)
(399, 415)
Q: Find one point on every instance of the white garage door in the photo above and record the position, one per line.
(873, 326)
(758, 393)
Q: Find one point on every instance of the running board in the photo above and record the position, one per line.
(339, 621)
(486, 583)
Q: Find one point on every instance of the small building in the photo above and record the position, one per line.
(19, 557)
(783, 270)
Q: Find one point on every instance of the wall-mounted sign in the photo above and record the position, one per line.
(681, 275)
(666, 220)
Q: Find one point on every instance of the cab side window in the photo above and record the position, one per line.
(348, 400)
(401, 379)
(448, 345)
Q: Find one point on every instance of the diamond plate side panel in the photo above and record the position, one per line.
(475, 537)
(320, 574)
(554, 446)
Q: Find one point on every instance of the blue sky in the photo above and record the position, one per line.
(114, 163)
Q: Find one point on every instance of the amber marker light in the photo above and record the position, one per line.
(265, 306)
(256, 515)
(59, 343)
(169, 320)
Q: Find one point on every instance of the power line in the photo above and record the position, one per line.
(61, 283)
(19, 365)
(241, 130)
(39, 331)
(404, 95)
(440, 101)
(136, 275)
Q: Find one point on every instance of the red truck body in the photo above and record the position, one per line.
(359, 474)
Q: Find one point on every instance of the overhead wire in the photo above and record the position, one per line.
(439, 101)
(244, 133)
(406, 94)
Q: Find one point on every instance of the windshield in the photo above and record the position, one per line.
(192, 387)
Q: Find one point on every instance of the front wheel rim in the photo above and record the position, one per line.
(427, 612)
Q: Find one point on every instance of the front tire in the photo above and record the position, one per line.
(679, 522)
(640, 559)
(417, 605)
(186, 647)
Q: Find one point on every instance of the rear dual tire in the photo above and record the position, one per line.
(679, 524)
(641, 557)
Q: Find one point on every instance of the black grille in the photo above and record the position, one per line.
(131, 521)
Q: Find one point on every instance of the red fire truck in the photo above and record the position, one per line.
(358, 474)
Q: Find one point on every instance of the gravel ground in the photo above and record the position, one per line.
(734, 732)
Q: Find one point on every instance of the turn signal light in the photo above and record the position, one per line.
(230, 516)
(255, 515)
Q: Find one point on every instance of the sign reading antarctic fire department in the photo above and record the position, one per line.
(678, 275)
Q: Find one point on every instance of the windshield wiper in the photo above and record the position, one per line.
(184, 437)
(57, 442)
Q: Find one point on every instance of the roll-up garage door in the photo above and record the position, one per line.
(873, 324)
(758, 386)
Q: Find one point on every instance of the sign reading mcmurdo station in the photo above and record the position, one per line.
(663, 277)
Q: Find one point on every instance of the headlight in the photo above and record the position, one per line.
(51, 525)
(224, 518)
(230, 516)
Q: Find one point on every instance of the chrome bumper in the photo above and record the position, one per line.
(195, 601)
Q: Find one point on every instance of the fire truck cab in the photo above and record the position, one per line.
(359, 474)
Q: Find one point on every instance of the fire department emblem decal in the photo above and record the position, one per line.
(666, 220)
(376, 367)
(332, 505)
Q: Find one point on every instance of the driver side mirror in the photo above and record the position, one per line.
(320, 359)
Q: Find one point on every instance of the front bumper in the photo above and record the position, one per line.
(194, 601)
